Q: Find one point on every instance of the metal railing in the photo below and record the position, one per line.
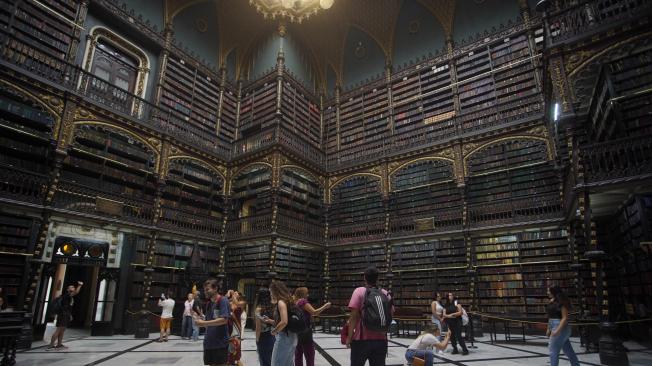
(515, 210)
(23, 186)
(581, 19)
(249, 226)
(172, 218)
(300, 228)
(439, 220)
(621, 159)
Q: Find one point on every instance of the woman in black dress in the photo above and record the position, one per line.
(453, 316)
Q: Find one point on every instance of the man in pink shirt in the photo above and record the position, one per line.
(365, 344)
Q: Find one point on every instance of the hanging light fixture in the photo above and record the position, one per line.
(294, 11)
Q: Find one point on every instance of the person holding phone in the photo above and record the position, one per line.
(264, 323)
(63, 309)
(422, 346)
(167, 303)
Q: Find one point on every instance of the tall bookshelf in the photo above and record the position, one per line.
(34, 25)
(356, 211)
(196, 190)
(25, 147)
(192, 98)
(251, 190)
(351, 132)
(114, 173)
(17, 238)
(347, 268)
(407, 108)
(252, 258)
(300, 201)
(299, 266)
(330, 137)
(226, 132)
(516, 176)
(376, 116)
(424, 196)
(301, 113)
(257, 108)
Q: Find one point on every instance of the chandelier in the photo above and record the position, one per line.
(294, 11)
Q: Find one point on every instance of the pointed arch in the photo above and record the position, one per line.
(56, 115)
(508, 138)
(200, 162)
(304, 171)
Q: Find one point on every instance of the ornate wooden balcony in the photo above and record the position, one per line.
(618, 160)
(174, 219)
(516, 210)
(300, 229)
(23, 57)
(75, 197)
(438, 221)
(248, 227)
(574, 20)
(22, 186)
(361, 231)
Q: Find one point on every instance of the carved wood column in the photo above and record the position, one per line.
(76, 33)
(163, 63)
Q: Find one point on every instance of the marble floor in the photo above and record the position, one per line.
(123, 350)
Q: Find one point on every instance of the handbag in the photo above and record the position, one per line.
(416, 361)
(344, 333)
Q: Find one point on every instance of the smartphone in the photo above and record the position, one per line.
(263, 318)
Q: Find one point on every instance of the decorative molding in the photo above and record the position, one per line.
(219, 169)
(43, 100)
(470, 149)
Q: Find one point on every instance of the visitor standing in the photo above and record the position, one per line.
(558, 328)
(167, 303)
(63, 310)
(264, 323)
(367, 343)
(187, 323)
(305, 344)
(216, 339)
(453, 316)
(437, 310)
(286, 341)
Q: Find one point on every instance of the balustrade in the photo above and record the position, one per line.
(249, 226)
(621, 159)
(351, 233)
(23, 186)
(172, 218)
(74, 197)
(441, 220)
(515, 210)
(300, 228)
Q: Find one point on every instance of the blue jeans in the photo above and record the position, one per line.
(195, 331)
(283, 353)
(437, 322)
(425, 354)
(559, 343)
(186, 326)
(265, 346)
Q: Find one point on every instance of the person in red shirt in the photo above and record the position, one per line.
(365, 344)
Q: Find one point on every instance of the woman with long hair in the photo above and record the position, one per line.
(558, 328)
(429, 339)
(453, 316)
(305, 345)
(264, 323)
(437, 310)
(286, 341)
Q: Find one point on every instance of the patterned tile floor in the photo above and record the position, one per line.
(123, 350)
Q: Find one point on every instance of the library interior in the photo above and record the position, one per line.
(491, 149)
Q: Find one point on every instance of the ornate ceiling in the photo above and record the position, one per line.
(323, 35)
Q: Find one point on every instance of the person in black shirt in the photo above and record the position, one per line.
(558, 329)
(218, 311)
(453, 316)
(64, 315)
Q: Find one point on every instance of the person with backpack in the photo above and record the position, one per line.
(286, 338)
(305, 345)
(453, 314)
(167, 305)
(62, 308)
(216, 339)
(371, 316)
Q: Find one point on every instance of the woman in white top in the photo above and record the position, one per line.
(422, 346)
(437, 314)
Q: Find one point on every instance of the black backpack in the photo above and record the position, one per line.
(296, 319)
(376, 311)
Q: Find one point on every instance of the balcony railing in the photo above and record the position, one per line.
(622, 159)
(299, 228)
(574, 20)
(25, 57)
(277, 135)
(362, 231)
(248, 227)
(172, 218)
(23, 186)
(74, 197)
(516, 210)
(441, 220)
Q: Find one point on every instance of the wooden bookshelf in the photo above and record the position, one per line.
(299, 266)
(347, 268)
(252, 258)
(17, 238)
(356, 211)
(301, 112)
